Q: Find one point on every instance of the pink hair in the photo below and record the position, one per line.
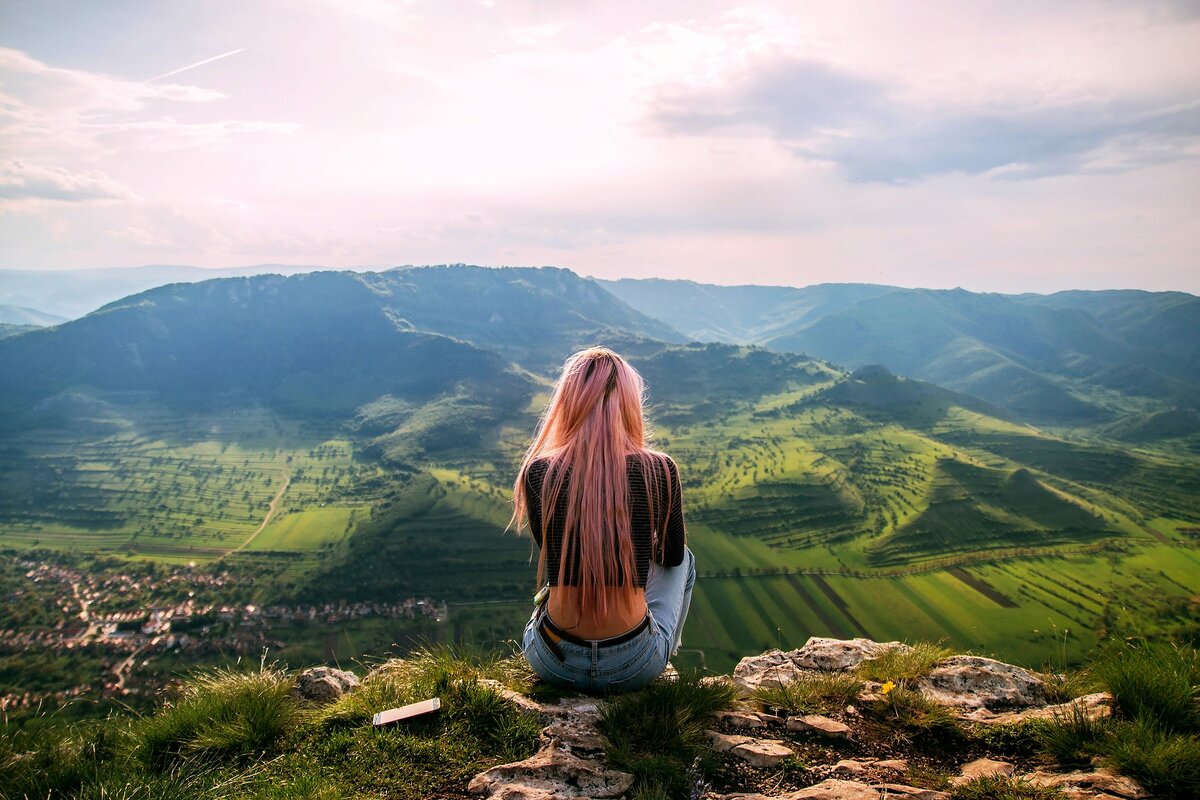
(593, 422)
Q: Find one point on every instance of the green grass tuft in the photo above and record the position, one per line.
(820, 693)
(1071, 736)
(1166, 763)
(220, 714)
(657, 734)
(906, 714)
(898, 664)
(1154, 680)
(1004, 787)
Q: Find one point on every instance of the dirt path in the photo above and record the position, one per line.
(287, 479)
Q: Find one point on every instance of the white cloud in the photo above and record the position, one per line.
(22, 182)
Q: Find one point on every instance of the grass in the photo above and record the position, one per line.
(221, 714)
(819, 693)
(1072, 736)
(1155, 734)
(237, 734)
(904, 664)
(1004, 787)
(1154, 680)
(906, 715)
(658, 733)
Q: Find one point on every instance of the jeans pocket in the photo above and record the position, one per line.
(641, 670)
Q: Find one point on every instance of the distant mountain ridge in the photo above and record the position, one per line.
(1041, 356)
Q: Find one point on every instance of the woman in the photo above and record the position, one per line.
(607, 515)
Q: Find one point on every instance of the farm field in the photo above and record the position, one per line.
(927, 522)
(148, 483)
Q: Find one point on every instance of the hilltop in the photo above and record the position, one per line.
(832, 720)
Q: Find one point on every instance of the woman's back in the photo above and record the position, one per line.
(655, 510)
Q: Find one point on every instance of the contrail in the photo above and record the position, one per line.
(198, 63)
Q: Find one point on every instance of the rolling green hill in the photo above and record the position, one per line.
(356, 435)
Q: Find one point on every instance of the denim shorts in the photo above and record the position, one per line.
(597, 667)
(627, 665)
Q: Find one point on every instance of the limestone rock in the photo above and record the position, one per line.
(324, 684)
(755, 752)
(772, 669)
(852, 766)
(741, 719)
(1100, 780)
(523, 703)
(982, 768)
(824, 726)
(897, 765)
(835, 655)
(974, 681)
(1093, 706)
(553, 773)
(832, 789)
(776, 668)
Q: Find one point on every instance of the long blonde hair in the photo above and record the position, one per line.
(594, 420)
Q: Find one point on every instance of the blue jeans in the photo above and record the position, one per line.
(631, 664)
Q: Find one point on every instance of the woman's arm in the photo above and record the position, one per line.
(674, 532)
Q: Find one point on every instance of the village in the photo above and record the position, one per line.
(123, 620)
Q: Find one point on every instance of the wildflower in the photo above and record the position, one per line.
(887, 687)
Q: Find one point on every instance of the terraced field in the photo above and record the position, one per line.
(806, 519)
(149, 483)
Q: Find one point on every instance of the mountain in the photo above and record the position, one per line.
(72, 293)
(1053, 358)
(19, 315)
(320, 341)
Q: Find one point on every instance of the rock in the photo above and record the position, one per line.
(755, 752)
(1093, 706)
(824, 726)
(832, 789)
(1099, 780)
(741, 719)
(982, 768)
(852, 766)
(575, 735)
(835, 655)
(770, 670)
(898, 765)
(776, 668)
(973, 682)
(551, 773)
(324, 684)
(523, 703)
(835, 789)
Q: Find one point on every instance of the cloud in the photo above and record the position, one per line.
(20, 181)
(56, 113)
(821, 112)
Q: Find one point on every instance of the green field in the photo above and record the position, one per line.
(932, 522)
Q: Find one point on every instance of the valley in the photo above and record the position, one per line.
(820, 500)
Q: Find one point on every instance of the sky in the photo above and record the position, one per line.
(1009, 146)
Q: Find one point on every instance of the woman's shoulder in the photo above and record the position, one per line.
(654, 459)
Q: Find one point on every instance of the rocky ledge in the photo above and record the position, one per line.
(570, 762)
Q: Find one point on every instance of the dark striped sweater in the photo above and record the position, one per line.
(645, 539)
